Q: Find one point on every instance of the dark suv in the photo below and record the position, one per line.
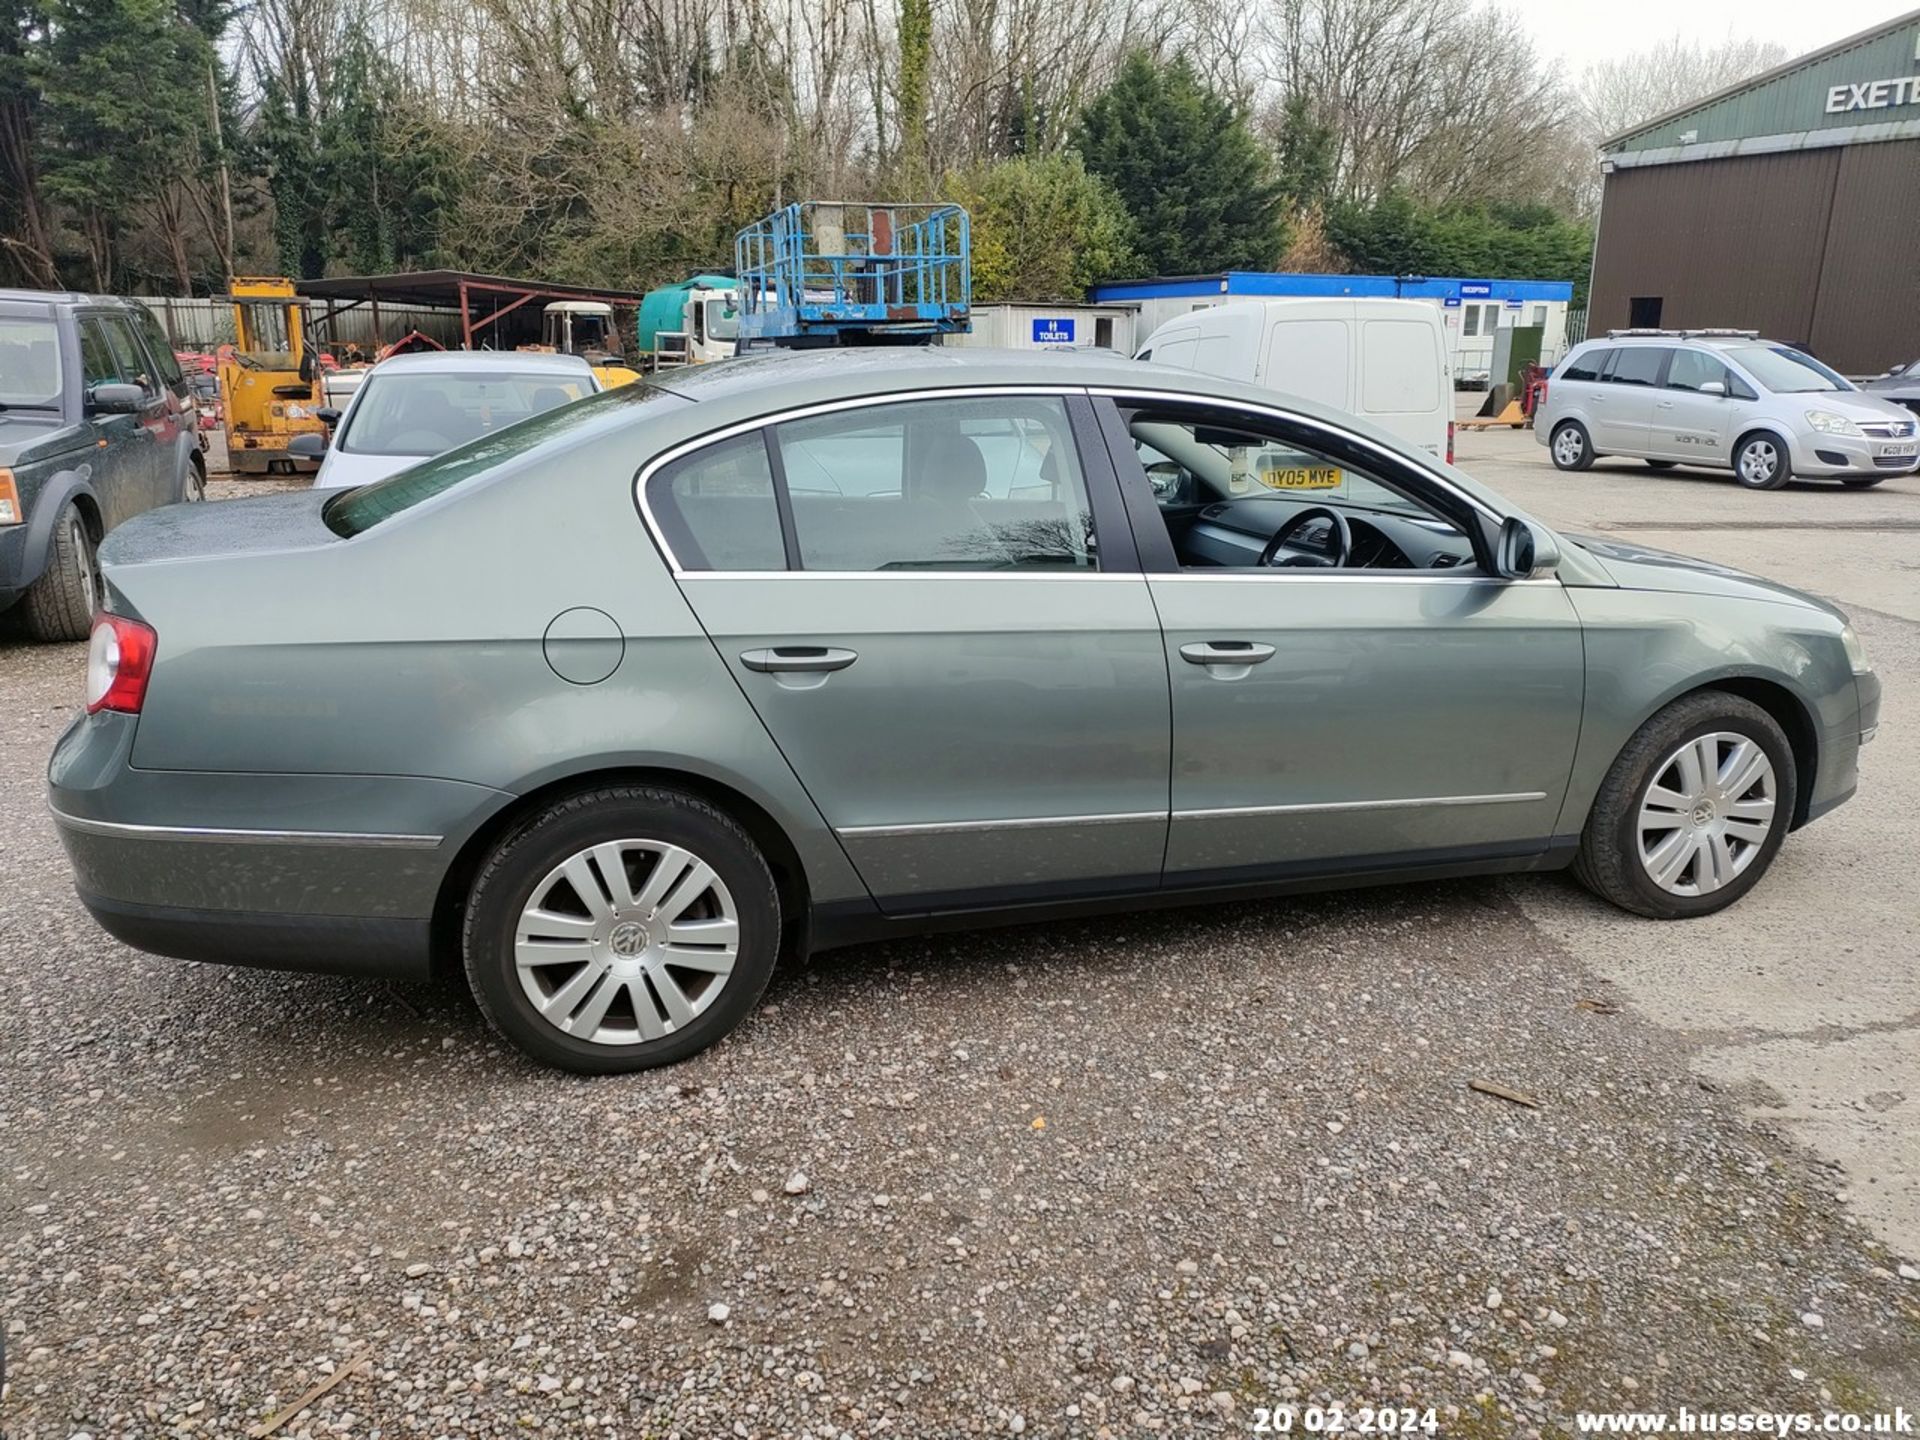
(97, 423)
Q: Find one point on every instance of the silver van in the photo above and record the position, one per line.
(1722, 398)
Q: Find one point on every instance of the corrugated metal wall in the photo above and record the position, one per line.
(1815, 246)
(202, 324)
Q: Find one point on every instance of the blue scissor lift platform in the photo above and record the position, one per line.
(824, 272)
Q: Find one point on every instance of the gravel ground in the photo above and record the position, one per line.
(1124, 1177)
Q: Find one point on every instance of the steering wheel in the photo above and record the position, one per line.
(1342, 537)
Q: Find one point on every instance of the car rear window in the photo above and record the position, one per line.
(359, 509)
(425, 413)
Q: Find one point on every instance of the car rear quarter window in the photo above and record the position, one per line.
(716, 507)
(1584, 366)
(991, 483)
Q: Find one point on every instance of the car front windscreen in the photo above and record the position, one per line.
(29, 364)
(1786, 371)
(426, 414)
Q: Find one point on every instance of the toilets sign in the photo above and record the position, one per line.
(1053, 331)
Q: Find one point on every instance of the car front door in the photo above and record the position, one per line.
(934, 607)
(148, 463)
(1623, 400)
(116, 481)
(1400, 709)
(1692, 421)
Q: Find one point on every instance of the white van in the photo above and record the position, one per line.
(1382, 360)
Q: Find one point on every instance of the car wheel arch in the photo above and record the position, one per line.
(67, 487)
(766, 831)
(1771, 431)
(1788, 709)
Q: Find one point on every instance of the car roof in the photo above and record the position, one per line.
(468, 362)
(56, 298)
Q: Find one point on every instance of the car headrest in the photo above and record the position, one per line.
(955, 468)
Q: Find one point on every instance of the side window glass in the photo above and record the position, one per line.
(1637, 365)
(158, 347)
(1690, 370)
(128, 358)
(97, 365)
(716, 507)
(1581, 367)
(976, 484)
(1257, 487)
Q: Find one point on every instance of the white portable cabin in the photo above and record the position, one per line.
(1048, 327)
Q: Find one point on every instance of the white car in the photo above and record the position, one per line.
(1725, 399)
(411, 407)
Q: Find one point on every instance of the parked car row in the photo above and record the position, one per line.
(98, 423)
(1725, 399)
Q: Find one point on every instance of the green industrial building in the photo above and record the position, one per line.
(1789, 204)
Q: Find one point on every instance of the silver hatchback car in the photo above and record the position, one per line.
(1722, 398)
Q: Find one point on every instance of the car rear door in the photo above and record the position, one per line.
(934, 606)
(1622, 403)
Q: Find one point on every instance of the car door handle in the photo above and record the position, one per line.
(1225, 652)
(1664, 405)
(798, 659)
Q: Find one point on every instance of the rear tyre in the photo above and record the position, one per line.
(1693, 810)
(1570, 447)
(1761, 463)
(623, 928)
(1861, 482)
(60, 604)
(1661, 464)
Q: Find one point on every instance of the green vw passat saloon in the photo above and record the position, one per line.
(615, 706)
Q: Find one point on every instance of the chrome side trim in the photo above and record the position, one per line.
(1420, 802)
(215, 835)
(971, 827)
(1078, 577)
(802, 412)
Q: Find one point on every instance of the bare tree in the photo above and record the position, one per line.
(1617, 94)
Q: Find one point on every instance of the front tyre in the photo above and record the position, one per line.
(1570, 446)
(1693, 810)
(623, 928)
(1761, 463)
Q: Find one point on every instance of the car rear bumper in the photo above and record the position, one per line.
(310, 872)
(398, 949)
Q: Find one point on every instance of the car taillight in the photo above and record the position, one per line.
(119, 661)
(1449, 442)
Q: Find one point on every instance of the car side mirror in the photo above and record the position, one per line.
(116, 399)
(1713, 387)
(1525, 550)
(327, 415)
(307, 446)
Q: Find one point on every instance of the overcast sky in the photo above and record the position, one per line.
(1589, 30)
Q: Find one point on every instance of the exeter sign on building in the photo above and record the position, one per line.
(1874, 95)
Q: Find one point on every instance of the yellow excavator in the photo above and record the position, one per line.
(269, 378)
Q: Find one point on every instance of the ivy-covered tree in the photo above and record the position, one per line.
(1043, 228)
(1199, 186)
(1307, 154)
